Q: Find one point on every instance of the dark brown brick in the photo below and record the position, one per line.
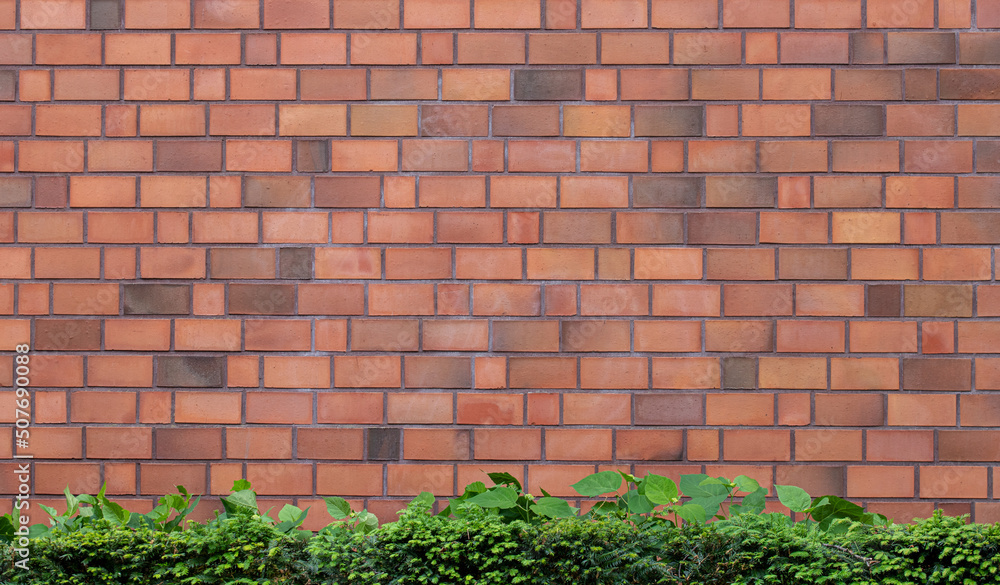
(670, 409)
(970, 84)
(921, 84)
(850, 410)
(67, 334)
(348, 192)
(667, 191)
(722, 228)
(867, 48)
(157, 299)
(278, 191)
(51, 192)
(740, 191)
(295, 263)
(437, 372)
(526, 120)
(383, 444)
(739, 373)
(186, 371)
(979, 48)
(815, 264)
(548, 84)
(987, 156)
(815, 479)
(937, 374)
(105, 14)
(243, 263)
(937, 300)
(669, 120)
(884, 300)
(15, 192)
(968, 445)
(454, 120)
(970, 228)
(204, 156)
(262, 299)
(921, 47)
(8, 90)
(312, 156)
(979, 191)
(848, 120)
(188, 443)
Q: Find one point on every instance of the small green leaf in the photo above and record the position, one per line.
(597, 484)
(794, 498)
(240, 485)
(504, 478)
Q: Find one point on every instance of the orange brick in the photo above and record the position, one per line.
(635, 48)
(51, 156)
(897, 14)
(811, 336)
(684, 14)
(53, 14)
(296, 14)
(313, 49)
(120, 156)
(507, 14)
(226, 14)
(828, 14)
(172, 120)
(622, 14)
(137, 49)
(384, 49)
(742, 14)
(102, 192)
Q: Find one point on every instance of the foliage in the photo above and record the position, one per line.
(701, 530)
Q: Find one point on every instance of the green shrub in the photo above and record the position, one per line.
(643, 531)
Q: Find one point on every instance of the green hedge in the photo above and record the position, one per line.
(492, 537)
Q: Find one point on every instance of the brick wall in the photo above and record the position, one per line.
(374, 247)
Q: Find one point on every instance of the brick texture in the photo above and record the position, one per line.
(370, 245)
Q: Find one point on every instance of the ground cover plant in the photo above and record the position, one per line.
(702, 530)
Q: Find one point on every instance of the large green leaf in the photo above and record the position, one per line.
(638, 503)
(245, 500)
(501, 497)
(290, 513)
(553, 508)
(6, 528)
(337, 507)
(691, 513)
(793, 497)
(753, 503)
(830, 508)
(699, 485)
(598, 484)
(660, 490)
(746, 484)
